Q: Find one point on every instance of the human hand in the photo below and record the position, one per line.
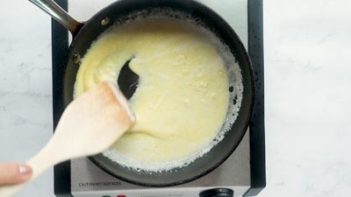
(14, 173)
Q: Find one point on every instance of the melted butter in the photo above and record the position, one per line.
(182, 97)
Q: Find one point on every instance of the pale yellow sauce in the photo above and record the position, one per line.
(182, 98)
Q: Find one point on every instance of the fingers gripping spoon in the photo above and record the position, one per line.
(89, 125)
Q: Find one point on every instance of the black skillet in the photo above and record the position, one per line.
(86, 33)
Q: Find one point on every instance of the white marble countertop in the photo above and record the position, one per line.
(307, 78)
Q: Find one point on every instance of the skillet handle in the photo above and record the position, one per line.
(59, 14)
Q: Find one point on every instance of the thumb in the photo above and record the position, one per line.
(14, 173)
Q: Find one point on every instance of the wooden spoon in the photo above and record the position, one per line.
(89, 125)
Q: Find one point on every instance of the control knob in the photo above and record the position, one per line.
(217, 192)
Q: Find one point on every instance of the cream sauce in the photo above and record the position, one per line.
(182, 97)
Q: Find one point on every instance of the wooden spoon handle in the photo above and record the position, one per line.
(39, 163)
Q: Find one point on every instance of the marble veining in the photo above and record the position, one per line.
(25, 87)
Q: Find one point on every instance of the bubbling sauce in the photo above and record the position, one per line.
(182, 98)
